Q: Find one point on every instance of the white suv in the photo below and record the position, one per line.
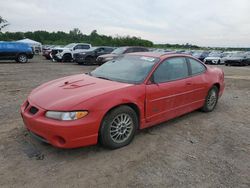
(65, 54)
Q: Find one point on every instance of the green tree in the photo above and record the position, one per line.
(3, 23)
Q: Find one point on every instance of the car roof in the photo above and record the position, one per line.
(160, 55)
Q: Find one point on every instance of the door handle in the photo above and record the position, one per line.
(188, 83)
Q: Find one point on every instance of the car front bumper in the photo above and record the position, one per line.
(62, 134)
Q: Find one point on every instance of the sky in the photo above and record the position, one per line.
(222, 23)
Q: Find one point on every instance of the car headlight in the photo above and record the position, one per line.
(66, 116)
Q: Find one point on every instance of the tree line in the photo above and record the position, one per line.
(75, 35)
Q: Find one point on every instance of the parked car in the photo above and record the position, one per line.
(134, 91)
(65, 54)
(119, 51)
(89, 56)
(46, 51)
(214, 58)
(201, 55)
(240, 58)
(20, 52)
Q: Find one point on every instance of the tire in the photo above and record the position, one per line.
(115, 132)
(66, 58)
(211, 100)
(22, 58)
(90, 60)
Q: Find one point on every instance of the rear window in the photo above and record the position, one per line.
(196, 67)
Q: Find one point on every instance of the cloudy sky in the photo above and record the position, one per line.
(200, 22)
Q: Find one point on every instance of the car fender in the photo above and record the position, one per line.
(101, 105)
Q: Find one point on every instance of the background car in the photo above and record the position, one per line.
(89, 56)
(201, 55)
(119, 51)
(214, 58)
(240, 58)
(18, 51)
(109, 104)
(66, 53)
(46, 51)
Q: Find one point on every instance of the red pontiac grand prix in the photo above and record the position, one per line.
(109, 104)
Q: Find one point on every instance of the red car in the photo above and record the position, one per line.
(109, 104)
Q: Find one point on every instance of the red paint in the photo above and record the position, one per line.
(156, 102)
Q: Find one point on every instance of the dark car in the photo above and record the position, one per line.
(89, 56)
(46, 50)
(201, 55)
(119, 51)
(240, 58)
(20, 52)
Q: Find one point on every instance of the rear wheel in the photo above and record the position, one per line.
(118, 127)
(211, 100)
(22, 58)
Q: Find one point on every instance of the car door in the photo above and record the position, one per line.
(167, 94)
(199, 85)
(8, 51)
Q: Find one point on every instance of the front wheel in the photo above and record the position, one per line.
(66, 58)
(22, 58)
(118, 127)
(211, 100)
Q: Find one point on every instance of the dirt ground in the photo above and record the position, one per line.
(195, 150)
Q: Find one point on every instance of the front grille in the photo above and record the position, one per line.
(33, 110)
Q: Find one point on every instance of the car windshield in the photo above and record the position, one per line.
(119, 51)
(127, 69)
(70, 45)
(215, 54)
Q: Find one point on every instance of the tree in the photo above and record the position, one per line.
(75, 32)
(3, 23)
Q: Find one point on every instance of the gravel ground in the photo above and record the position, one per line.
(195, 150)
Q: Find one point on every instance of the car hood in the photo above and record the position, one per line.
(109, 55)
(65, 93)
(61, 49)
(212, 58)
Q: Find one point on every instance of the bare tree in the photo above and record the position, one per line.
(3, 23)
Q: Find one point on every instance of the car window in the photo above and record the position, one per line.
(101, 50)
(81, 46)
(108, 50)
(196, 67)
(131, 50)
(171, 69)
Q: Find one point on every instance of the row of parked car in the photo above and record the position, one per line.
(227, 58)
(83, 53)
